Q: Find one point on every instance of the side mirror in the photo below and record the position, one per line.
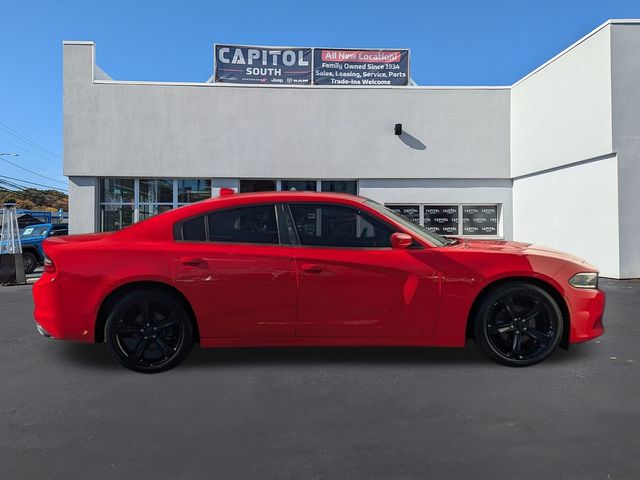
(401, 240)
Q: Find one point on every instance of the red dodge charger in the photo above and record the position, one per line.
(312, 269)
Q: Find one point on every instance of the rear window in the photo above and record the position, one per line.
(194, 230)
(252, 224)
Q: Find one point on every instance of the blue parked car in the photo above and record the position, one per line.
(31, 238)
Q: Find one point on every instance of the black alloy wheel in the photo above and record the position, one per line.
(149, 331)
(29, 261)
(518, 324)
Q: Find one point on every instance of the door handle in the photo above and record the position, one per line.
(191, 261)
(311, 268)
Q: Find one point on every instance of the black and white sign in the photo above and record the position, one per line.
(480, 220)
(262, 65)
(411, 212)
(441, 219)
(360, 67)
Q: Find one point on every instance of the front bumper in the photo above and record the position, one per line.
(586, 310)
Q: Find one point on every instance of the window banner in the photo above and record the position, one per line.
(360, 67)
(411, 212)
(262, 65)
(441, 219)
(480, 220)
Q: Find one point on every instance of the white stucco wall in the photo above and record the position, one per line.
(83, 204)
(214, 130)
(561, 112)
(574, 209)
(625, 43)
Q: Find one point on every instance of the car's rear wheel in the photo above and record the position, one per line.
(29, 261)
(148, 331)
(518, 324)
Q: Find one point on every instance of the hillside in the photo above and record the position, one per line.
(34, 199)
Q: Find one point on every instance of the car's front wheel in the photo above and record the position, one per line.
(148, 331)
(518, 324)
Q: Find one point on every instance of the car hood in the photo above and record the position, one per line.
(518, 247)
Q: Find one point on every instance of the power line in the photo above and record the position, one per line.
(12, 185)
(31, 171)
(34, 183)
(11, 131)
(55, 162)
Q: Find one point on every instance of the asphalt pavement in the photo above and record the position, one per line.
(69, 411)
(34, 276)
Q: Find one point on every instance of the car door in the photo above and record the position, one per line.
(352, 283)
(239, 278)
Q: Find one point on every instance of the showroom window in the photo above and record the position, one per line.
(156, 196)
(338, 226)
(299, 185)
(248, 186)
(480, 220)
(442, 219)
(124, 201)
(193, 190)
(116, 203)
(454, 219)
(342, 186)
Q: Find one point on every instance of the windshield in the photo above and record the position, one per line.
(431, 237)
(34, 231)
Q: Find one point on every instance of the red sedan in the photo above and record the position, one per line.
(308, 269)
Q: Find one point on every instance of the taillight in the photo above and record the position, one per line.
(49, 266)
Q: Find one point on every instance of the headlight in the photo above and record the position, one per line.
(584, 280)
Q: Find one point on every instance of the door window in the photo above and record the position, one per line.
(255, 224)
(328, 225)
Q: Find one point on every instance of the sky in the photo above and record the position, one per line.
(452, 43)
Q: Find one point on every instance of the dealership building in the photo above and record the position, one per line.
(553, 159)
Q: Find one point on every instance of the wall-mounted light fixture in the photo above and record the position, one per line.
(398, 129)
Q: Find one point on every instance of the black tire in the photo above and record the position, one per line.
(29, 261)
(148, 331)
(518, 324)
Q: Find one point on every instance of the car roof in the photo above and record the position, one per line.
(290, 196)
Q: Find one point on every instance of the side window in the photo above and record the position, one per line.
(256, 224)
(194, 230)
(338, 226)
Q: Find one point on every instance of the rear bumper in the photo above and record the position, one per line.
(586, 309)
(42, 331)
(54, 315)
